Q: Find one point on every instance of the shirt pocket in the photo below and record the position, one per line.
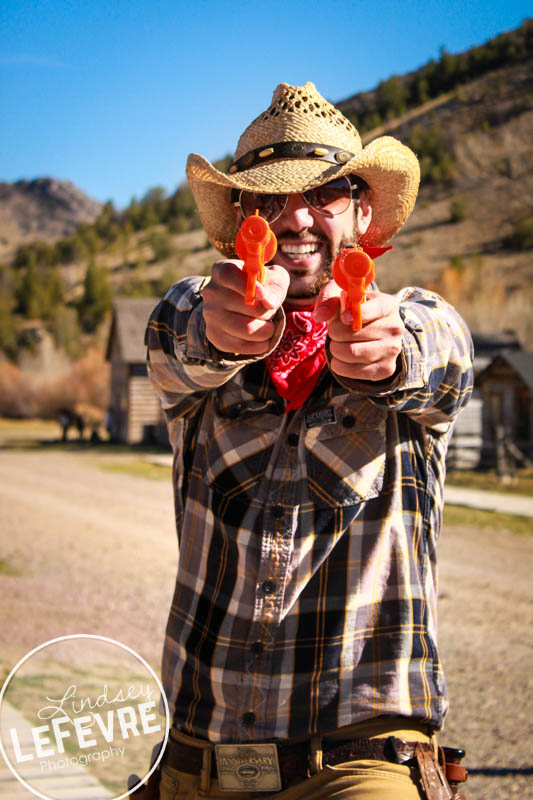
(239, 444)
(345, 452)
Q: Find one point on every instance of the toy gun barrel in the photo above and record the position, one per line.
(255, 245)
(353, 270)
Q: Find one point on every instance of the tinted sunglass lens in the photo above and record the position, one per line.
(333, 197)
(270, 206)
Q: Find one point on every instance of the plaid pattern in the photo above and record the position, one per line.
(306, 591)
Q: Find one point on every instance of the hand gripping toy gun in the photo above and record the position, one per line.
(353, 270)
(255, 245)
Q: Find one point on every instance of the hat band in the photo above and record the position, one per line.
(270, 152)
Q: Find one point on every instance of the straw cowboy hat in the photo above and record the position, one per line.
(300, 142)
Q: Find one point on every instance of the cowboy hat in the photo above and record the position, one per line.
(299, 142)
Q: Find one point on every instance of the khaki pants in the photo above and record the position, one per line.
(354, 780)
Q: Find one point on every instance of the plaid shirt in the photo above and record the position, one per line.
(305, 597)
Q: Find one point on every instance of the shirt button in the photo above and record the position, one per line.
(248, 718)
(277, 512)
(269, 587)
(292, 439)
(348, 421)
(258, 648)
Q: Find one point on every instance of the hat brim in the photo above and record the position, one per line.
(390, 168)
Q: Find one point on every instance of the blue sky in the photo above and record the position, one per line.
(113, 95)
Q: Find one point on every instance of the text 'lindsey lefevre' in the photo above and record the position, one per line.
(92, 727)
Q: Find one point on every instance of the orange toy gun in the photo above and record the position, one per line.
(255, 245)
(353, 271)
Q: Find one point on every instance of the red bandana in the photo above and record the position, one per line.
(298, 360)
(296, 363)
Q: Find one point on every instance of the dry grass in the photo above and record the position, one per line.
(490, 521)
(14, 431)
(25, 394)
(9, 570)
(140, 469)
(490, 481)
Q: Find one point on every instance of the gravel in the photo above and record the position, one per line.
(96, 551)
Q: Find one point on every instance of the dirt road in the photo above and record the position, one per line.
(95, 552)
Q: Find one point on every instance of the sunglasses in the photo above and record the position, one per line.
(330, 198)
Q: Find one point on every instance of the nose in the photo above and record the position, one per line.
(297, 214)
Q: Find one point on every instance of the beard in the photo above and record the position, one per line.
(312, 291)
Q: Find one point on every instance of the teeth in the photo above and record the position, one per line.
(299, 249)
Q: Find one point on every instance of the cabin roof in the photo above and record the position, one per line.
(520, 361)
(488, 345)
(130, 317)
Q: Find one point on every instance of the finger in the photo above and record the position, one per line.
(240, 326)
(270, 294)
(328, 303)
(274, 290)
(376, 306)
(228, 274)
(384, 328)
(376, 371)
(242, 347)
(231, 275)
(226, 291)
(339, 331)
(218, 301)
(365, 352)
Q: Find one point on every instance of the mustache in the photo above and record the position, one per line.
(307, 234)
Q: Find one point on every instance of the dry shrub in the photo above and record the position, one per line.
(483, 301)
(84, 384)
(17, 396)
(514, 313)
(458, 283)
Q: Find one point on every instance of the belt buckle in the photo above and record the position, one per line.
(248, 767)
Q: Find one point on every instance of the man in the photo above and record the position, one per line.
(308, 476)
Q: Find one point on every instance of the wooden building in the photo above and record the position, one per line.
(134, 414)
(466, 446)
(506, 386)
(503, 394)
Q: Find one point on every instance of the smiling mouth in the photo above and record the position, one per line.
(299, 249)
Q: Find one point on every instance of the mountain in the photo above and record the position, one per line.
(44, 208)
(470, 235)
(468, 117)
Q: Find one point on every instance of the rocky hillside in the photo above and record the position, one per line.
(44, 208)
(471, 234)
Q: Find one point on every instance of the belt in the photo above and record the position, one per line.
(294, 759)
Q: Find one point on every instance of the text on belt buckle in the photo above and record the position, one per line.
(248, 767)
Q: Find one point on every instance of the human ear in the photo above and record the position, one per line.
(364, 215)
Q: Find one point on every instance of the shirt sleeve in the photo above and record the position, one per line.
(180, 359)
(435, 376)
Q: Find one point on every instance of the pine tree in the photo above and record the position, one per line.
(96, 299)
(8, 325)
(31, 292)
